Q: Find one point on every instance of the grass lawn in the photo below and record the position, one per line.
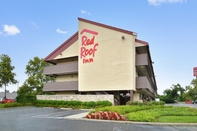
(178, 119)
(0, 105)
(155, 113)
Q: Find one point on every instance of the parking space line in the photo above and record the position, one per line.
(52, 115)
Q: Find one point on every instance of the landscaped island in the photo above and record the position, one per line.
(150, 112)
(133, 111)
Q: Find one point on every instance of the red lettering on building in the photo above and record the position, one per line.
(88, 46)
(88, 52)
(86, 41)
(89, 31)
(88, 60)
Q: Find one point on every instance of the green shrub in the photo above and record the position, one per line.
(102, 104)
(71, 104)
(153, 114)
(15, 104)
(122, 109)
(143, 116)
(26, 98)
(134, 103)
(168, 100)
(91, 104)
(156, 103)
(77, 103)
(84, 105)
(151, 103)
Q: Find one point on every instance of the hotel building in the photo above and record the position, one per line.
(101, 59)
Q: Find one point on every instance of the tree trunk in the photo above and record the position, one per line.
(5, 91)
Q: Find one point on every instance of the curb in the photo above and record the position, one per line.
(131, 122)
(68, 109)
(76, 109)
(81, 116)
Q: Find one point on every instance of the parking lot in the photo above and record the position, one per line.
(49, 119)
(183, 104)
(39, 112)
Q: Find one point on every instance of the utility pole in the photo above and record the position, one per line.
(17, 85)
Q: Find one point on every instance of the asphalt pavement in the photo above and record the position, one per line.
(49, 119)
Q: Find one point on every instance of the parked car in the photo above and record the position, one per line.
(7, 101)
(194, 102)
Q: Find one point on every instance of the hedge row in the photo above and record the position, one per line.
(169, 101)
(72, 104)
(26, 98)
(15, 104)
(151, 103)
(125, 109)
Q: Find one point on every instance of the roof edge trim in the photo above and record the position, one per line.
(107, 26)
(141, 42)
(62, 47)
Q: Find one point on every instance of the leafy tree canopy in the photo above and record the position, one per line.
(174, 93)
(191, 90)
(6, 71)
(36, 78)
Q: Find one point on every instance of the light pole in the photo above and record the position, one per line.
(17, 85)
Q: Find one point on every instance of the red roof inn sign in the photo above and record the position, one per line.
(195, 71)
(88, 47)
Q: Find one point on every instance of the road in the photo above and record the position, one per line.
(48, 119)
(182, 104)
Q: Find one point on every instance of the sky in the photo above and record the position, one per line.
(37, 27)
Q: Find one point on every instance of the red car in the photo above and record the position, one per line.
(7, 101)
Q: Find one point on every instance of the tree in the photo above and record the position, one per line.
(177, 92)
(174, 93)
(191, 90)
(6, 72)
(167, 92)
(36, 78)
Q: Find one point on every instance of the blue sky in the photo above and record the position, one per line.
(36, 27)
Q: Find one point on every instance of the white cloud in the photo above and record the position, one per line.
(11, 29)
(35, 25)
(60, 31)
(85, 12)
(158, 2)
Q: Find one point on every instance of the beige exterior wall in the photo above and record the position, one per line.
(136, 73)
(72, 77)
(136, 97)
(113, 65)
(71, 51)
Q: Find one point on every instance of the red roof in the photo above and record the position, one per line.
(62, 47)
(141, 42)
(74, 38)
(107, 26)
